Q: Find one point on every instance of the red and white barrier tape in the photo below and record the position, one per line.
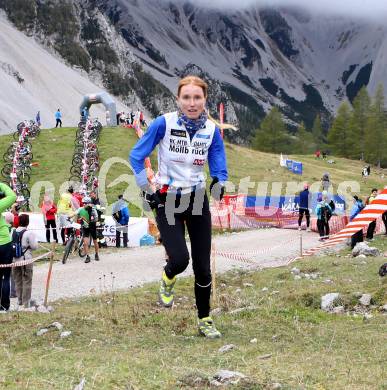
(21, 263)
(246, 256)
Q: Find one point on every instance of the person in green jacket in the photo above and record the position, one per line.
(88, 218)
(7, 199)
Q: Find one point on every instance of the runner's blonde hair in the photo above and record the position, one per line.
(194, 80)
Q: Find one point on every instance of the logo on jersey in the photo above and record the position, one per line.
(179, 133)
(204, 136)
(199, 162)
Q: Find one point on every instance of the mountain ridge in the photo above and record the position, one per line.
(254, 58)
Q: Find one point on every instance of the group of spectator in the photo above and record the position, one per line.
(17, 281)
(319, 154)
(324, 211)
(69, 206)
(129, 118)
(25, 240)
(121, 117)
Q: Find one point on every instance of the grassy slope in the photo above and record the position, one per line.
(265, 167)
(54, 147)
(126, 341)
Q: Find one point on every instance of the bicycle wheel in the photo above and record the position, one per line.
(77, 159)
(24, 178)
(76, 170)
(75, 178)
(68, 249)
(11, 149)
(6, 170)
(81, 252)
(5, 174)
(25, 193)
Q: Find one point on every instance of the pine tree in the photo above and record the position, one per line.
(358, 123)
(340, 137)
(317, 133)
(304, 143)
(272, 136)
(376, 131)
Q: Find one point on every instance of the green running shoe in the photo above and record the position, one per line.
(166, 291)
(207, 328)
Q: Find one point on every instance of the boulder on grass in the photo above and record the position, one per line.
(362, 248)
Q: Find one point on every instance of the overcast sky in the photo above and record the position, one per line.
(360, 8)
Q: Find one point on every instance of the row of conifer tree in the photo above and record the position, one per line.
(358, 131)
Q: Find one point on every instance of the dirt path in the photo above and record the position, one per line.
(135, 266)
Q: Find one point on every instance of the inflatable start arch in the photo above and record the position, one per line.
(106, 100)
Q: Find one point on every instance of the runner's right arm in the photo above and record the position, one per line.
(144, 147)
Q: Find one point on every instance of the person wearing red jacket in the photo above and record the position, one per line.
(49, 211)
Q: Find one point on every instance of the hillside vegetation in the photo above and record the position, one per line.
(280, 335)
(53, 151)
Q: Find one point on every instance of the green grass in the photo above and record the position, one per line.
(264, 167)
(53, 150)
(126, 341)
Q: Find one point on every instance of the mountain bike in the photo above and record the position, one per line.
(74, 242)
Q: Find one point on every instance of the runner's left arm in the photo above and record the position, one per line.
(217, 161)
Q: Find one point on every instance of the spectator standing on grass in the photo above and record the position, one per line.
(356, 208)
(325, 181)
(15, 212)
(304, 207)
(84, 115)
(64, 212)
(372, 225)
(141, 118)
(121, 216)
(23, 275)
(15, 224)
(49, 211)
(7, 198)
(88, 218)
(75, 199)
(58, 118)
(323, 212)
(37, 119)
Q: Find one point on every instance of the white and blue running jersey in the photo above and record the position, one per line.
(181, 157)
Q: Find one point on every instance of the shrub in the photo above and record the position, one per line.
(74, 54)
(20, 12)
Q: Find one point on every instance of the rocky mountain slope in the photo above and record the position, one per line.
(33, 80)
(254, 58)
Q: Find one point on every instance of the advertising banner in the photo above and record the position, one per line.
(297, 167)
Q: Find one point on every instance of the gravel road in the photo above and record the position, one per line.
(135, 266)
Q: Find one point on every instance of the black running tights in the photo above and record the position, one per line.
(199, 231)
